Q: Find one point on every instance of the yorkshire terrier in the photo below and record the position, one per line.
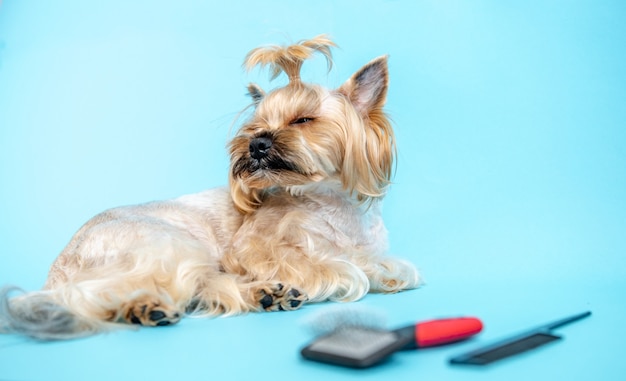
(300, 221)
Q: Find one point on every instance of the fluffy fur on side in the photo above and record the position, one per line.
(299, 222)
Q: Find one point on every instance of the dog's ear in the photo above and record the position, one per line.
(368, 165)
(367, 88)
(256, 93)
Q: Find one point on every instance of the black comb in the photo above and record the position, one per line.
(516, 344)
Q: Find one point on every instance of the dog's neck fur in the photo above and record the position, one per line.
(346, 220)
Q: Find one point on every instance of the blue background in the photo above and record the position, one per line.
(509, 193)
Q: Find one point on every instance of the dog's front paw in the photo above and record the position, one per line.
(277, 297)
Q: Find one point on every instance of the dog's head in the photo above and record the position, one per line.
(302, 133)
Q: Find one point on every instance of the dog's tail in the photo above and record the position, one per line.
(40, 316)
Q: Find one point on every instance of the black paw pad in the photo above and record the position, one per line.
(267, 301)
(157, 315)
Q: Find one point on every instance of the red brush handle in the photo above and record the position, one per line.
(442, 331)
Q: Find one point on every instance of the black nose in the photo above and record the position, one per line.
(259, 147)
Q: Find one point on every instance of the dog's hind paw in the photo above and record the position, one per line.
(148, 311)
(277, 297)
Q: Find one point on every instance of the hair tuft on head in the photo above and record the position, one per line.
(289, 59)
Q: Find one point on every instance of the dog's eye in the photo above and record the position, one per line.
(301, 120)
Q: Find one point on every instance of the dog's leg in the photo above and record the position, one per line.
(122, 299)
(389, 275)
(141, 269)
(315, 279)
(230, 294)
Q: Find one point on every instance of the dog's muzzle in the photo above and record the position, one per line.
(262, 156)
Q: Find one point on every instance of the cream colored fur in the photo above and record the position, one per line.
(300, 220)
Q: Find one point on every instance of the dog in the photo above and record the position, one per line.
(299, 222)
